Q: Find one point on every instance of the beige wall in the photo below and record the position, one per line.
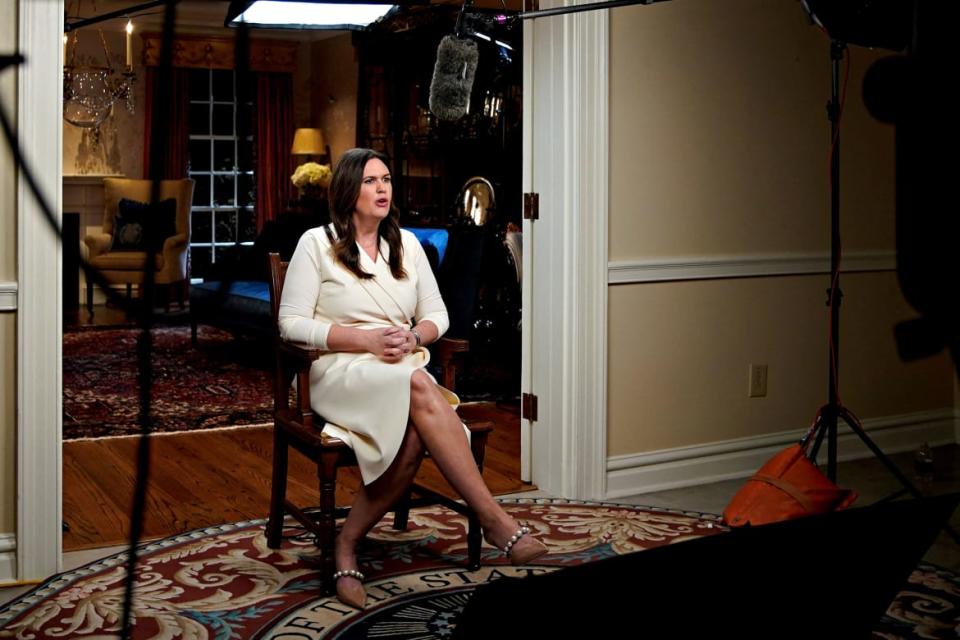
(680, 352)
(302, 87)
(719, 136)
(8, 273)
(335, 72)
(718, 147)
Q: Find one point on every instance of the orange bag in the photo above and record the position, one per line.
(788, 486)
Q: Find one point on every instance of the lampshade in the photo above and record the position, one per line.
(308, 142)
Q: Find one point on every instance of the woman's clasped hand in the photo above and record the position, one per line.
(392, 343)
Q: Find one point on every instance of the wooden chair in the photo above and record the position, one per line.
(296, 425)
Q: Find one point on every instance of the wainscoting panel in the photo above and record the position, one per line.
(8, 296)
(702, 464)
(8, 558)
(746, 266)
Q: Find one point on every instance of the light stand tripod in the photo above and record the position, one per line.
(829, 414)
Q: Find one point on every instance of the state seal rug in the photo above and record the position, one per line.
(224, 583)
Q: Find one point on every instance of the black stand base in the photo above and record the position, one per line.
(827, 422)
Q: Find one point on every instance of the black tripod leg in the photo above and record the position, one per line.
(904, 480)
(815, 448)
(893, 496)
(826, 426)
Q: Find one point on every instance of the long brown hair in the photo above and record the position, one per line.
(344, 191)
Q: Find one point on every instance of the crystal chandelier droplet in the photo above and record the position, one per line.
(87, 98)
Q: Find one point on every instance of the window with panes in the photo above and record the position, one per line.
(221, 163)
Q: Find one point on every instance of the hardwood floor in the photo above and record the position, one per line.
(113, 316)
(203, 478)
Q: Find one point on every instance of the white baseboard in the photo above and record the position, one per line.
(8, 558)
(702, 464)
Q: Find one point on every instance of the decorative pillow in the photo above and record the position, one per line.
(138, 227)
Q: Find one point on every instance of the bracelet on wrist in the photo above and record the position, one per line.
(416, 335)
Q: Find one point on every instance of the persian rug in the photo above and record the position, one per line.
(224, 582)
(223, 382)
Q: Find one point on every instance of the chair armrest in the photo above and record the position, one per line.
(174, 254)
(298, 354)
(174, 243)
(446, 349)
(294, 359)
(97, 244)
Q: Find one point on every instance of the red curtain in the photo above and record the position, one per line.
(166, 129)
(273, 136)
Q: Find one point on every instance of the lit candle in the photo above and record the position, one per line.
(129, 44)
(65, 40)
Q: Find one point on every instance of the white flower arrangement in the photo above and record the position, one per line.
(311, 175)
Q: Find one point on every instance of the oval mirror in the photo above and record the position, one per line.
(477, 201)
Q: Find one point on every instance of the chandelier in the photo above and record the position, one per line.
(90, 90)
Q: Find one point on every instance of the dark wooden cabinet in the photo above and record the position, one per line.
(431, 159)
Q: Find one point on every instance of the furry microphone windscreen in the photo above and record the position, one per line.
(453, 77)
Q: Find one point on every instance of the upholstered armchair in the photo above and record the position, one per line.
(119, 250)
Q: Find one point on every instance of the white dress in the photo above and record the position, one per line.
(365, 401)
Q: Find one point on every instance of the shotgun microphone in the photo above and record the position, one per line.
(453, 77)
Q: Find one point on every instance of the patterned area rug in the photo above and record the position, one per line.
(221, 383)
(224, 582)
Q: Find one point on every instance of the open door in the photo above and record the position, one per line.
(565, 251)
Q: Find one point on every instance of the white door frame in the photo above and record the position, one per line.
(565, 160)
(39, 304)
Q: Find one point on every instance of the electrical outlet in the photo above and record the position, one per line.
(758, 381)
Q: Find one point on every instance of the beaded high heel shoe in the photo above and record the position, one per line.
(523, 556)
(349, 595)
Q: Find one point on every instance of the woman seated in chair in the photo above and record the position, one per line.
(361, 289)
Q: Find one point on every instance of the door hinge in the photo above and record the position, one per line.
(531, 206)
(528, 406)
